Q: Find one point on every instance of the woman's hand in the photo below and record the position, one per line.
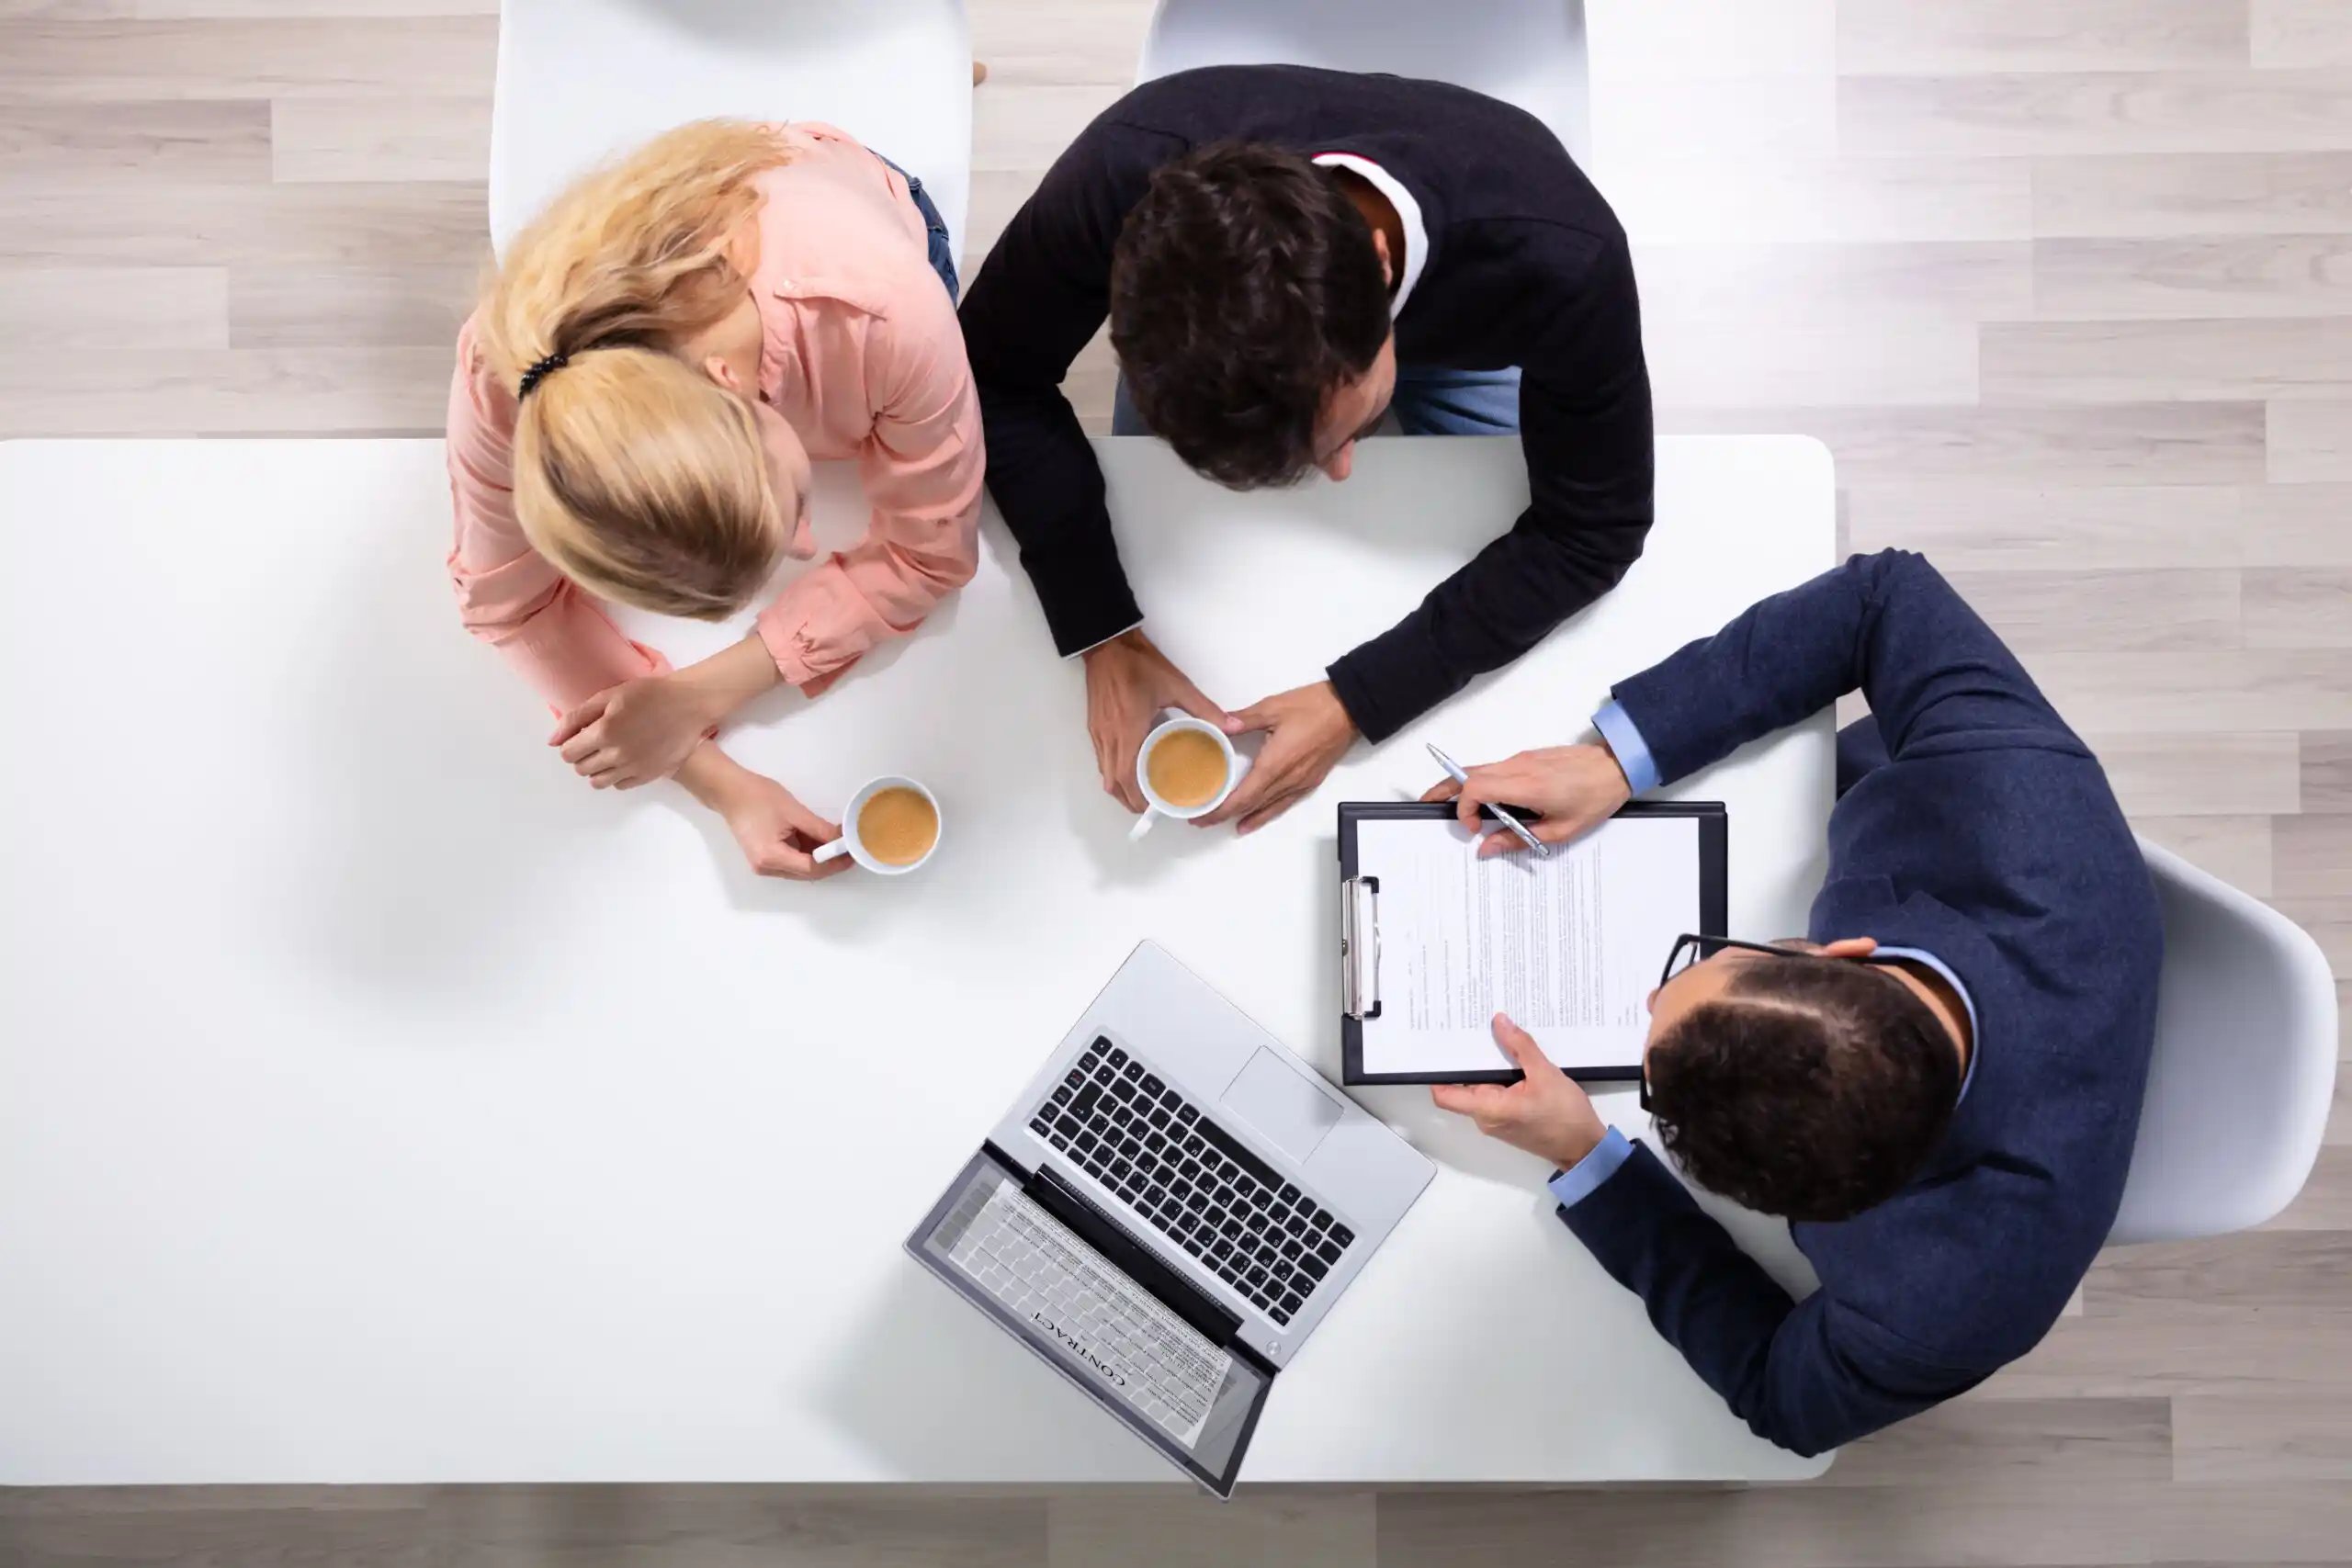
(635, 732)
(1575, 788)
(779, 837)
(643, 730)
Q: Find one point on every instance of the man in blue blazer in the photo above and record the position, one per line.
(1939, 1087)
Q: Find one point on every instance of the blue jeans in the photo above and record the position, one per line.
(1428, 401)
(943, 256)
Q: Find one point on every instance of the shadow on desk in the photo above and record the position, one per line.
(930, 1388)
(432, 807)
(433, 816)
(1099, 822)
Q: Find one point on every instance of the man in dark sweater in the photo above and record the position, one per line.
(1939, 1086)
(1283, 251)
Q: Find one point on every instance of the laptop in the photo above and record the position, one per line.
(1167, 1210)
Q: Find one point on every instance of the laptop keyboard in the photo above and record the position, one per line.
(1159, 1363)
(1201, 1187)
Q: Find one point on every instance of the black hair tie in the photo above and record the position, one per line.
(539, 372)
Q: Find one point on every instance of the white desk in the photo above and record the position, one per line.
(378, 1103)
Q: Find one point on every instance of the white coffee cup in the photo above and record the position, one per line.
(1236, 765)
(853, 846)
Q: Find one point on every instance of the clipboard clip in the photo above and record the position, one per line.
(1359, 947)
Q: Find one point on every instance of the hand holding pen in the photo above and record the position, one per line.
(1577, 788)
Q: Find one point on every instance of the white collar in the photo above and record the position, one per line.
(1409, 217)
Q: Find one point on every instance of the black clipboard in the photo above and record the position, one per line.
(1360, 914)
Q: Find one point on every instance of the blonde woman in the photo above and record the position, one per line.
(638, 397)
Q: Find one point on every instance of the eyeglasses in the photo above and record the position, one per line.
(1689, 949)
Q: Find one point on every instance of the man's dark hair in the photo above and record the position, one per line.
(1244, 290)
(1812, 1088)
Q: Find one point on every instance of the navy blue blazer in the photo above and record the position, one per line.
(1990, 839)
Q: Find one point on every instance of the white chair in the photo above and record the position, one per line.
(580, 80)
(1529, 53)
(2245, 1065)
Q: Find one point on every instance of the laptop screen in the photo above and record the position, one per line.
(1175, 1388)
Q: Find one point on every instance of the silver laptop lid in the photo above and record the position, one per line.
(1020, 1250)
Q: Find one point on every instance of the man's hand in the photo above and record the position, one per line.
(1575, 788)
(1307, 731)
(1129, 681)
(1546, 1112)
(643, 730)
(777, 834)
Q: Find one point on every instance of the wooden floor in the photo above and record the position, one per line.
(2066, 283)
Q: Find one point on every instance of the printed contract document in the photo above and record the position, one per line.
(1569, 947)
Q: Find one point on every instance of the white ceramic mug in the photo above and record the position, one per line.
(1236, 764)
(852, 845)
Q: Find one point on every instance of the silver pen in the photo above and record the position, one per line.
(1453, 770)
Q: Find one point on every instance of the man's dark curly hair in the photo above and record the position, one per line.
(1244, 290)
(1812, 1088)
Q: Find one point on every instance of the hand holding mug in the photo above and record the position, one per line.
(778, 836)
(1128, 681)
(1307, 730)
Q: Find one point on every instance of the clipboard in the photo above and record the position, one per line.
(1360, 999)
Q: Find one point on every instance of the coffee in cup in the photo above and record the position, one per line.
(891, 827)
(899, 826)
(1187, 767)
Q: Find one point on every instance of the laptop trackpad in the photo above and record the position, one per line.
(1291, 1112)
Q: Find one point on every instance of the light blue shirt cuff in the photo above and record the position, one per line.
(1633, 751)
(1574, 1185)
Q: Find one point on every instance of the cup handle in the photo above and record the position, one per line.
(833, 851)
(1143, 824)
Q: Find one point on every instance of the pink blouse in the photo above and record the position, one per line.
(862, 358)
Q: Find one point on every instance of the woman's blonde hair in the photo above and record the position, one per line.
(640, 477)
